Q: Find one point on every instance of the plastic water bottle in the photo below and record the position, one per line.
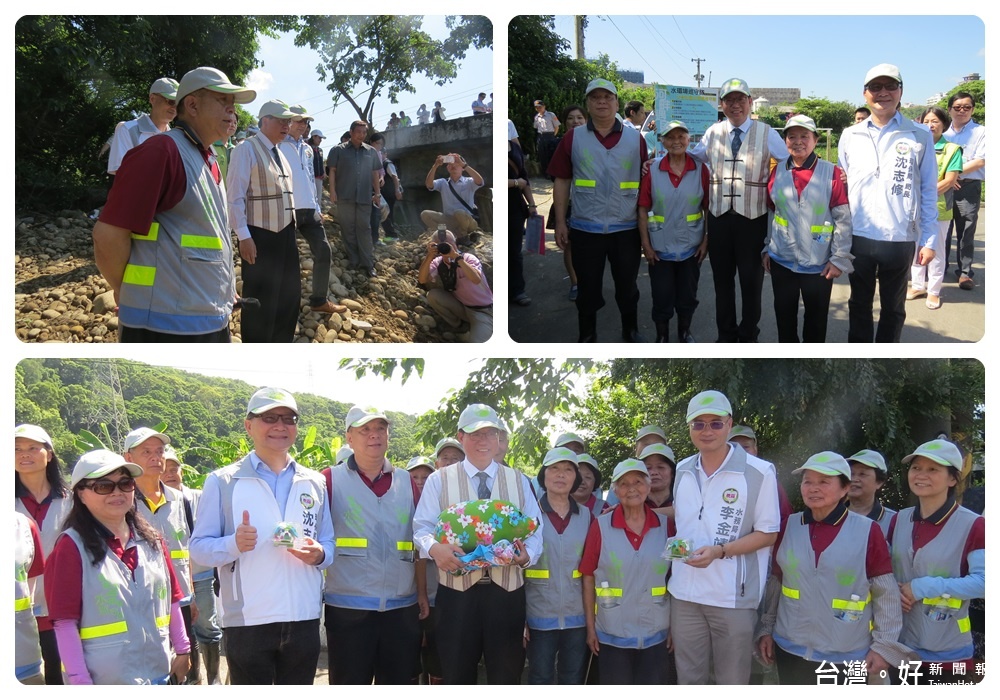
(852, 614)
(653, 225)
(605, 599)
(939, 612)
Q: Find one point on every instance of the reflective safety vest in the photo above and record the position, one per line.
(938, 629)
(825, 613)
(125, 618)
(677, 224)
(170, 521)
(179, 278)
(605, 185)
(553, 586)
(27, 652)
(49, 529)
(802, 227)
(373, 566)
(945, 201)
(633, 607)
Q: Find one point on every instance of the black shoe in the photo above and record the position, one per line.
(685, 336)
(588, 327)
(632, 336)
(371, 272)
(662, 332)
(522, 299)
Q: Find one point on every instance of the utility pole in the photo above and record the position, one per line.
(697, 74)
(581, 26)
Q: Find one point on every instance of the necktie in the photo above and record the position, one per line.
(277, 159)
(482, 490)
(737, 141)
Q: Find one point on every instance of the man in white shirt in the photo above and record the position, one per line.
(162, 110)
(479, 105)
(972, 138)
(547, 128)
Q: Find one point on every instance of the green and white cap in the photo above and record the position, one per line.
(658, 448)
(828, 463)
(167, 87)
(584, 458)
(300, 113)
(734, 85)
(268, 397)
(650, 430)
(98, 463)
(743, 431)
(33, 432)
(343, 453)
(601, 84)
(940, 451)
(419, 461)
(870, 458)
(478, 416)
(170, 453)
(566, 438)
(447, 442)
(560, 454)
(629, 465)
(675, 124)
(711, 402)
(359, 415)
(275, 108)
(215, 80)
(800, 120)
(140, 435)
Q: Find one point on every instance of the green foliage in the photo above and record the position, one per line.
(384, 367)
(771, 117)
(976, 88)
(827, 115)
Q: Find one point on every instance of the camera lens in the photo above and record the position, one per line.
(444, 248)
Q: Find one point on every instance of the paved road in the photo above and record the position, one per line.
(551, 318)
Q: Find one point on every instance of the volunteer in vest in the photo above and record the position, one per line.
(271, 585)
(41, 493)
(488, 604)
(726, 505)
(113, 596)
(926, 280)
(969, 189)
(372, 617)
(831, 598)
(589, 493)
(129, 134)
(869, 474)
(939, 560)
(738, 154)
(673, 197)
(29, 564)
(162, 241)
(598, 166)
(661, 466)
(556, 633)
(646, 436)
(624, 580)
(262, 212)
(447, 451)
(207, 633)
(419, 469)
(308, 216)
(892, 187)
(163, 507)
(808, 244)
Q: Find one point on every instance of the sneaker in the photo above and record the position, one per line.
(522, 299)
(965, 282)
(574, 291)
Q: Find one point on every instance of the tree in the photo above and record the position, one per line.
(827, 114)
(385, 51)
(976, 88)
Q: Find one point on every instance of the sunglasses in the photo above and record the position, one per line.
(105, 487)
(890, 86)
(699, 425)
(271, 419)
(962, 108)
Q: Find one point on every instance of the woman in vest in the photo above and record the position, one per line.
(41, 494)
(673, 196)
(926, 280)
(809, 240)
(588, 493)
(114, 597)
(938, 557)
(625, 581)
(29, 562)
(831, 598)
(556, 634)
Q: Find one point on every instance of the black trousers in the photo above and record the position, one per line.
(484, 621)
(966, 211)
(545, 145)
(735, 244)
(389, 197)
(590, 252)
(141, 335)
(278, 653)
(633, 666)
(814, 289)
(319, 246)
(368, 645)
(516, 220)
(274, 281)
(50, 655)
(674, 286)
(888, 263)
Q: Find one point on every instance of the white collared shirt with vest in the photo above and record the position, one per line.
(825, 611)
(49, 529)
(179, 278)
(677, 224)
(553, 585)
(125, 618)
(171, 522)
(128, 135)
(738, 183)
(605, 185)
(633, 607)
(269, 201)
(373, 568)
(740, 497)
(27, 651)
(938, 629)
(299, 155)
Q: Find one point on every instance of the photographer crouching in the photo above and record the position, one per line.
(464, 294)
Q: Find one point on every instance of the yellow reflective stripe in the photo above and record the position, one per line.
(821, 229)
(964, 625)
(204, 242)
(140, 275)
(955, 603)
(576, 574)
(352, 542)
(609, 593)
(781, 222)
(585, 183)
(164, 621)
(659, 590)
(180, 554)
(839, 604)
(694, 217)
(629, 185)
(404, 546)
(22, 604)
(789, 592)
(154, 233)
(657, 219)
(536, 573)
(103, 630)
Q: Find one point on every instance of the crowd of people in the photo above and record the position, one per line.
(164, 240)
(755, 200)
(688, 572)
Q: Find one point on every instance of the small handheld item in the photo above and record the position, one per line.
(447, 159)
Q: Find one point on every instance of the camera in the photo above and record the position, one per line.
(448, 159)
(444, 248)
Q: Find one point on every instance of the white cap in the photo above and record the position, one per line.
(300, 113)
(559, 454)
(566, 438)
(359, 415)
(275, 108)
(800, 120)
(940, 451)
(884, 69)
(658, 448)
(711, 402)
(870, 458)
(170, 453)
(317, 132)
(478, 416)
(447, 442)
(98, 463)
(650, 430)
(827, 463)
(140, 435)
(215, 80)
(343, 453)
(629, 465)
(167, 87)
(268, 397)
(419, 461)
(33, 432)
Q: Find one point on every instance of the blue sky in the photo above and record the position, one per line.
(289, 74)
(825, 56)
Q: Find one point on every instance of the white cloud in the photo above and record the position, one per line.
(259, 80)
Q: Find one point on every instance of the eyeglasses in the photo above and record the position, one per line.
(890, 86)
(962, 108)
(271, 418)
(699, 425)
(104, 487)
(734, 99)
